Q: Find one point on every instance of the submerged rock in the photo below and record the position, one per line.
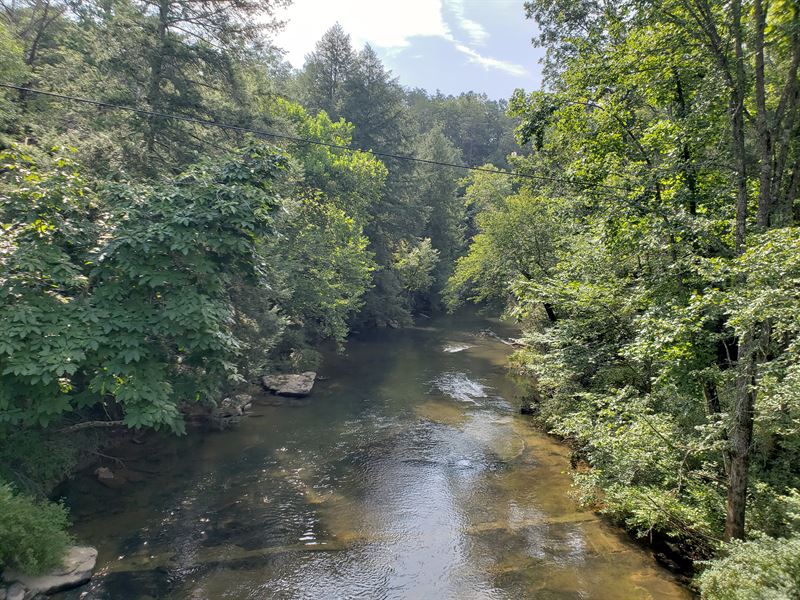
(233, 407)
(453, 348)
(230, 410)
(76, 570)
(104, 473)
(109, 478)
(296, 385)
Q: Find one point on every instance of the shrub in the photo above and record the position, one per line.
(762, 569)
(33, 536)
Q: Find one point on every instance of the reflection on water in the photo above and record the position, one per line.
(405, 475)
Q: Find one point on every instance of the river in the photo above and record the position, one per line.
(406, 474)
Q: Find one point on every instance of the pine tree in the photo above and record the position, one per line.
(326, 70)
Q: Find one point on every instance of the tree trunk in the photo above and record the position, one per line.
(712, 398)
(740, 438)
(551, 313)
(736, 105)
(741, 431)
(762, 123)
(686, 151)
(33, 51)
(156, 74)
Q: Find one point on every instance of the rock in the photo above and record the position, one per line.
(233, 407)
(230, 410)
(109, 479)
(76, 570)
(297, 385)
(104, 473)
(2, 593)
(15, 592)
(667, 562)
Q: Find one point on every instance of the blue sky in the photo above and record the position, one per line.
(451, 45)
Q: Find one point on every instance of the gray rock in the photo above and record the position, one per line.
(15, 592)
(76, 570)
(233, 407)
(296, 385)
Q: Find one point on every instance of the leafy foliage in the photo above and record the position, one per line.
(123, 294)
(328, 267)
(32, 533)
(754, 570)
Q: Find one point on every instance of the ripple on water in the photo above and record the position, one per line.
(459, 387)
(453, 348)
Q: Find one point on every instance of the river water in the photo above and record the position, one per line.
(406, 474)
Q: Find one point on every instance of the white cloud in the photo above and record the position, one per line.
(474, 30)
(386, 25)
(492, 63)
(381, 24)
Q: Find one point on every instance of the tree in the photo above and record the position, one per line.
(93, 316)
(12, 69)
(636, 111)
(326, 71)
(444, 211)
(194, 58)
(518, 239)
(373, 101)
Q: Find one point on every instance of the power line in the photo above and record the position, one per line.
(281, 136)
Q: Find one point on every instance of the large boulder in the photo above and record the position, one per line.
(76, 570)
(296, 385)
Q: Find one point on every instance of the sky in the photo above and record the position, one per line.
(449, 45)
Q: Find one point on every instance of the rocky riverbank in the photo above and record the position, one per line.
(76, 570)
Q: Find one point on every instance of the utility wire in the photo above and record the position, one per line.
(260, 132)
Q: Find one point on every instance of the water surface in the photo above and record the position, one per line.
(406, 474)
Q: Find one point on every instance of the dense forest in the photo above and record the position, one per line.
(638, 215)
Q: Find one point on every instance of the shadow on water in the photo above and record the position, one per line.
(406, 474)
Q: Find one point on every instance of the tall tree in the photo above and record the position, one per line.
(444, 210)
(373, 100)
(326, 70)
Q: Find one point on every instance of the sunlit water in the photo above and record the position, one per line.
(407, 474)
